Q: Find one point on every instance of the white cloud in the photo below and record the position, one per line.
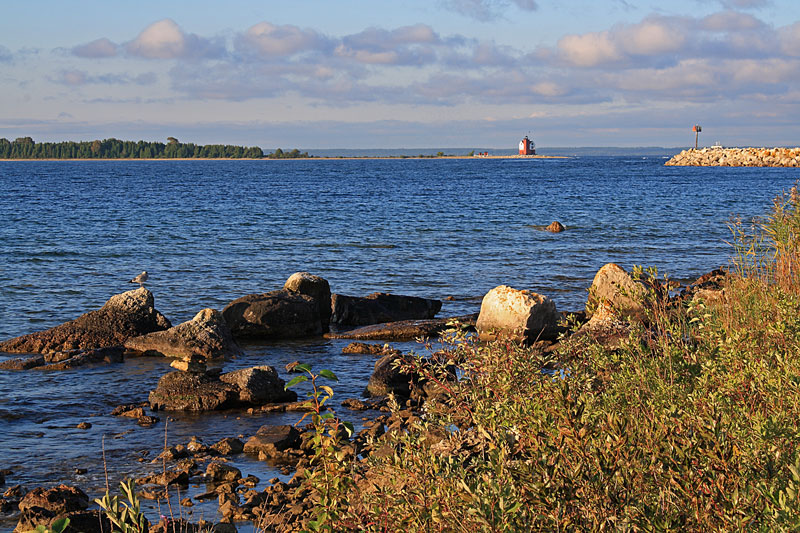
(164, 39)
(269, 40)
(96, 49)
(589, 49)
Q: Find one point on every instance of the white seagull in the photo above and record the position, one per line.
(140, 279)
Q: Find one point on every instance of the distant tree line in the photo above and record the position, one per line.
(26, 148)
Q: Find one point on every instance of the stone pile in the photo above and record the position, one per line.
(737, 157)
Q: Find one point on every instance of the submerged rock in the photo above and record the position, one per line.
(381, 307)
(519, 315)
(207, 336)
(123, 316)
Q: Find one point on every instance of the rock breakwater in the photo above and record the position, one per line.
(737, 157)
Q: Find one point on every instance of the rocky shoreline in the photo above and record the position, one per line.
(129, 325)
(737, 157)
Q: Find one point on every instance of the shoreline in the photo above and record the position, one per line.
(322, 158)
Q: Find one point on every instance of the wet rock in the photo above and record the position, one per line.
(22, 363)
(555, 227)
(355, 404)
(407, 330)
(187, 502)
(84, 425)
(228, 446)
(280, 314)
(183, 391)
(380, 307)
(615, 286)
(271, 440)
(206, 336)
(15, 493)
(123, 316)
(300, 406)
(258, 385)
(80, 358)
(221, 472)
(518, 315)
(194, 364)
(130, 410)
(388, 378)
(369, 349)
(147, 421)
(61, 499)
(82, 521)
(317, 288)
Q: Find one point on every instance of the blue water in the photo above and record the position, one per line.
(74, 233)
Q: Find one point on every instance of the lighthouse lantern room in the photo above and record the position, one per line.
(527, 147)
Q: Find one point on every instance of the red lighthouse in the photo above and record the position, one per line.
(527, 147)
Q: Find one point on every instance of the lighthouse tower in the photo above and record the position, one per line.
(527, 147)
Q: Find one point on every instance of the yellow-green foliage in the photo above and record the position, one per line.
(693, 425)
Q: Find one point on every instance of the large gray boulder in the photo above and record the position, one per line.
(280, 314)
(612, 284)
(380, 307)
(517, 315)
(316, 287)
(206, 336)
(123, 316)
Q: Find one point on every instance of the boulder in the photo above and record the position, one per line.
(278, 314)
(184, 391)
(517, 315)
(555, 227)
(123, 316)
(259, 385)
(61, 499)
(387, 378)
(271, 440)
(316, 287)
(613, 285)
(83, 521)
(405, 330)
(220, 472)
(381, 307)
(228, 446)
(207, 335)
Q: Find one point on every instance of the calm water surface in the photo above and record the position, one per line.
(74, 233)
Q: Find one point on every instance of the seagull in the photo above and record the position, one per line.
(140, 279)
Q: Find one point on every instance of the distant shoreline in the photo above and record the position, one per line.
(319, 158)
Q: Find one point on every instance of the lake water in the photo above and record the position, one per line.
(74, 233)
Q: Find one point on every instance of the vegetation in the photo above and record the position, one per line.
(693, 424)
(26, 148)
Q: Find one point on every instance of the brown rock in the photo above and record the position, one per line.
(368, 349)
(258, 385)
(228, 446)
(613, 285)
(271, 440)
(123, 316)
(183, 391)
(22, 363)
(59, 500)
(555, 227)
(222, 472)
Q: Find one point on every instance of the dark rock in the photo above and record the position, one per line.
(406, 330)
(206, 336)
(278, 314)
(228, 446)
(81, 521)
(354, 404)
(61, 499)
(222, 472)
(131, 410)
(369, 349)
(183, 391)
(316, 287)
(381, 307)
(111, 354)
(387, 378)
(270, 440)
(123, 316)
(22, 363)
(258, 385)
(15, 493)
(147, 421)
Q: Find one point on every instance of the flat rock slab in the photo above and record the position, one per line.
(123, 316)
(404, 330)
(380, 307)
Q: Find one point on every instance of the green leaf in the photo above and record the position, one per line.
(295, 380)
(328, 374)
(348, 426)
(302, 367)
(326, 416)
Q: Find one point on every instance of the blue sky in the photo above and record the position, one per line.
(434, 73)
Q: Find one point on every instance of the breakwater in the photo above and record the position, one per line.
(737, 157)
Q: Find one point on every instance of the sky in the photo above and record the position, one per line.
(420, 73)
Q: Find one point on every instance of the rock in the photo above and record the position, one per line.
(387, 378)
(183, 391)
(271, 440)
(624, 295)
(84, 425)
(222, 472)
(81, 521)
(406, 330)
(123, 316)
(355, 404)
(147, 421)
(522, 316)
(316, 287)
(381, 307)
(130, 410)
(59, 500)
(369, 349)
(737, 157)
(228, 446)
(278, 314)
(15, 493)
(604, 328)
(206, 336)
(187, 502)
(78, 358)
(555, 227)
(190, 365)
(22, 363)
(259, 385)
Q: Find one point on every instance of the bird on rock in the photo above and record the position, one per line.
(141, 278)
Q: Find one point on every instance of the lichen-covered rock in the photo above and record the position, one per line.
(517, 315)
(184, 391)
(259, 385)
(624, 295)
(381, 307)
(123, 316)
(207, 335)
(317, 288)
(280, 314)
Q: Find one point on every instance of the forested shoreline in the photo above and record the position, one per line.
(27, 148)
